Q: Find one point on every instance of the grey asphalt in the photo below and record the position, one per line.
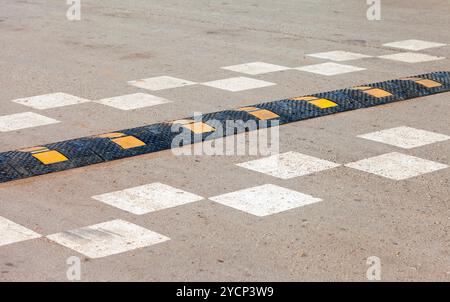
(404, 223)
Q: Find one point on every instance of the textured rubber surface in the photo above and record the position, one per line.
(152, 138)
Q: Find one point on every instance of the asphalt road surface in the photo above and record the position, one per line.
(356, 192)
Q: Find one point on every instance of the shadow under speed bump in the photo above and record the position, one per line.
(106, 147)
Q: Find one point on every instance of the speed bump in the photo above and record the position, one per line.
(95, 149)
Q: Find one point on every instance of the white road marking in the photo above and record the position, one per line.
(413, 45)
(148, 198)
(396, 166)
(11, 232)
(265, 200)
(24, 120)
(238, 84)
(133, 101)
(405, 137)
(411, 57)
(52, 100)
(330, 69)
(288, 165)
(339, 55)
(255, 68)
(108, 238)
(160, 83)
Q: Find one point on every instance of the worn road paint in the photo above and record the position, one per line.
(288, 165)
(238, 84)
(414, 45)
(265, 200)
(147, 198)
(11, 232)
(52, 100)
(24, 120)
(160, 83)
(339, 55)
(411, 57)
(405, 137)
(108, 238)
(396, 166)
(329, 69)
(133, 101)
(255, 68)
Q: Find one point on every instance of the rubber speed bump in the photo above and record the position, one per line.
(157, 137)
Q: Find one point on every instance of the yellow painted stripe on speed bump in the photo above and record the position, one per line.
(323, 103)
(429, 83)
(425, 82)
(195, 127)
(375, 92)
(128, 142)
(262, 114)
(378, 93)
(123, 140)
(318, 102)
(50, 157)
(199, 127)
(45, 156)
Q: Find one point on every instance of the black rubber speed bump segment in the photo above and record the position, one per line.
(161, 136)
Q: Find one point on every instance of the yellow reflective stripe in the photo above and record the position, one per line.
(50, 157)
(323, 103)
(128, 142)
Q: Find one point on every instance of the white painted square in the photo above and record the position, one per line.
(147, 198)
(411, 57)
(330, 69)
(11, 232)
(133, 101)
(52, 100)
(405, 137)
(288, 165)
(160, 83)
(238, 84)
(338, 55)
(256, 68)
(413, 45)
(24, 120)
(108, 238)
(265, 200)
(396, 166)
